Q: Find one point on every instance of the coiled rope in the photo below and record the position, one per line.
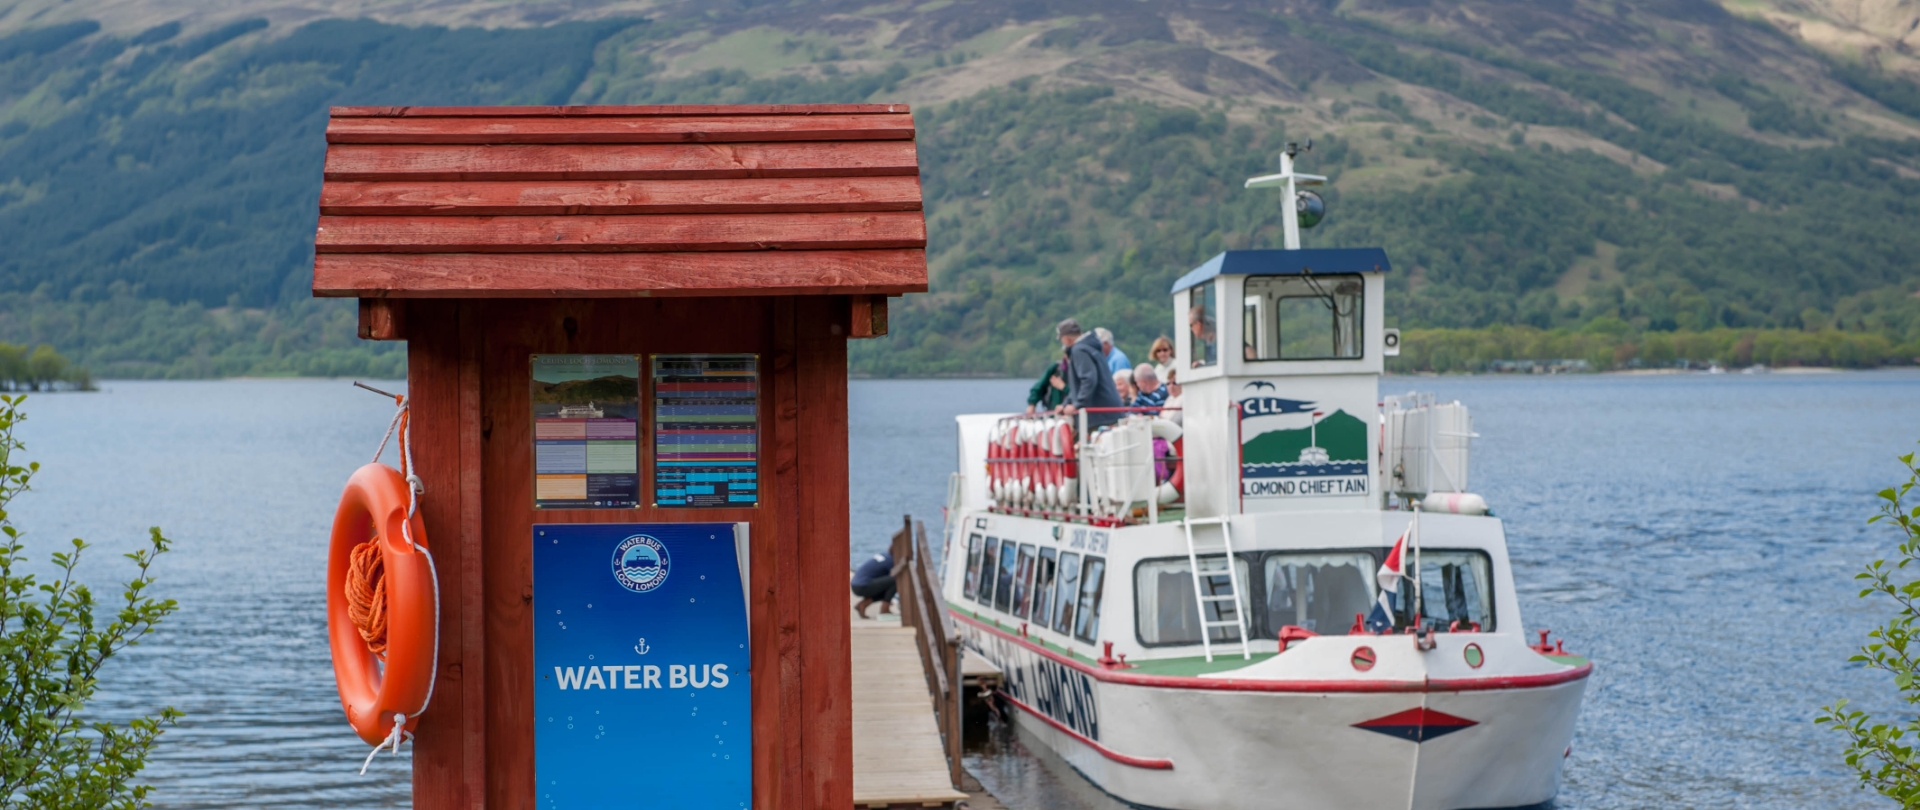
(366, 586)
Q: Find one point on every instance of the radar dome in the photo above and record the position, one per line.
(1310, 208)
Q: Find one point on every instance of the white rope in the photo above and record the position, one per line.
(415, 488)
(393, 737)
(391, 426)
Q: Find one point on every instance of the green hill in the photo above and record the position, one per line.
(1640, 169)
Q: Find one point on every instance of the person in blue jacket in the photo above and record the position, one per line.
(873, 582)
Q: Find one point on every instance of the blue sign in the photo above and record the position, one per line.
(641, 694)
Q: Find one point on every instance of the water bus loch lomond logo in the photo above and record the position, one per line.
(640, 563)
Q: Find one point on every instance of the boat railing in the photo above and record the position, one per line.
(1052, 466)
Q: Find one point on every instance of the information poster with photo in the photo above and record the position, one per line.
(586, 419)
(706, 428)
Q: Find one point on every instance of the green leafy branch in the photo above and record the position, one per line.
(54, 638)
(1884, 753)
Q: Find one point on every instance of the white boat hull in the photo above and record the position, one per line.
(1240, 744)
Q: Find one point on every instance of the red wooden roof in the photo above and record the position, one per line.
(459, 202)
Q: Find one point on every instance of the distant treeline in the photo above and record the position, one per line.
(120, 334)
(39, 368)
(1474, 350)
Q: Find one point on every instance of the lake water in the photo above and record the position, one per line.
(1695, 535)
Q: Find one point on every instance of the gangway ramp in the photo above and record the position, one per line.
(898, 757)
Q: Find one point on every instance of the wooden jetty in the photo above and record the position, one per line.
(907, 676)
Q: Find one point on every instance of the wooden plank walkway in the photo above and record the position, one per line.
(898, 760)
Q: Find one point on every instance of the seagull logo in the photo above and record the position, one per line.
(1259, 384)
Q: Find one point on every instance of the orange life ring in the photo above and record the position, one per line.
(375, 688)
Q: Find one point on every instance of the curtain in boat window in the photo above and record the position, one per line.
(1023, 582)
(1086, 624)
(989, 559)
(1320, 592)
(1066, 590)
(1043, 571)
(1165, 610)
(1455, 586)
(1003, 588)
(973, 566)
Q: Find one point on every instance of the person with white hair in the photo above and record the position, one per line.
(1123, 383)
(1116, 360)
(1148, 392)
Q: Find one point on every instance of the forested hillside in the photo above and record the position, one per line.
(1621, 171)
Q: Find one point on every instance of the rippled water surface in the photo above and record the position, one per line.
(1693, 534)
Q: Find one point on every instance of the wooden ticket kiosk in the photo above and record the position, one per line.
(502, 243)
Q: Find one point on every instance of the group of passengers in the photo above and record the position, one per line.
(1096, 376)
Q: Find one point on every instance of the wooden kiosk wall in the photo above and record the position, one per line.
(469, 341)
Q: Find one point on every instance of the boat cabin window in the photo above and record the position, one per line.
(989, 558)
(1023, 582)
(1066, 590)
(973, 567)
(1320, 592)
(1043, 571)
(1165, 610)
(1003, 587)
(1455, 586)
(1303, 317)
(1086, 620)
(1203, 322)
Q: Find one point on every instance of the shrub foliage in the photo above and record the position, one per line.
(55, 636)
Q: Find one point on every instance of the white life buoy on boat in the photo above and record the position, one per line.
(1454, 503)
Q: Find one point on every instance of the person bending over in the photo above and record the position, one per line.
(873, 582)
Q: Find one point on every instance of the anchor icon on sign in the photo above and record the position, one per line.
(641, 647)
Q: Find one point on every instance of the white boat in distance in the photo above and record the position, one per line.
(1093, 568)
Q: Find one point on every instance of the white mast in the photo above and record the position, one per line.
(1291, 181)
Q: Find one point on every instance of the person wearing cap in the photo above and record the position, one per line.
(1089, 381)
(1116, 360)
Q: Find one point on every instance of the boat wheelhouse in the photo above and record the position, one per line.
(1281, 593)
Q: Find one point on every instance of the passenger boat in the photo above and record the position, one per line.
(1281, 594)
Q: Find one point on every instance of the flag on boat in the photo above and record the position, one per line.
(1391, 573)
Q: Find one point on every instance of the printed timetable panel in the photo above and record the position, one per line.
(706, 430)
(586, 442)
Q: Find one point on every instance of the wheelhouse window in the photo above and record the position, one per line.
(1166, 611)
(1203, 321)
(1321, 592)
(1023, 582)
(989, 559)
(1003, 587)
(1043, 573)
(1303, 317)
(1455, 586)
(1086, 621)
(1066, 590)
(973, 566)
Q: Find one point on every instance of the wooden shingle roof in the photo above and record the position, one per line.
(452, 202)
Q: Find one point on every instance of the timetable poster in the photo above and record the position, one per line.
(706, 421)
(586, 417)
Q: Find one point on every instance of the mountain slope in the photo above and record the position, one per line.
(1664, 164)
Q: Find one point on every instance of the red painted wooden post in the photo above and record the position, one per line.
(485, 235)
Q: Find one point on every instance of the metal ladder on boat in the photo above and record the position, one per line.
(1205, 584)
